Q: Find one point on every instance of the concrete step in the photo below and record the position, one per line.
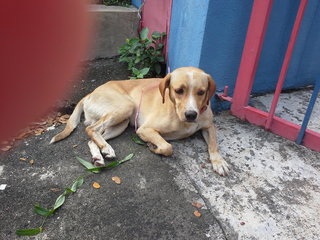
(114, 24)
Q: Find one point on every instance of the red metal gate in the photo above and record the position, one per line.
(251, 53)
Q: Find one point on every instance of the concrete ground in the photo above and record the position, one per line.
(292, 107)
(272, 192)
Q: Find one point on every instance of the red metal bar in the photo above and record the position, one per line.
(224, 95)
(280, 126)
(283, 128)
(250, 57)
(251, 53)
(286, 62)
(225, 91)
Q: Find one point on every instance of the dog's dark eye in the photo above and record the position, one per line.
(200, 93)
(179, 91)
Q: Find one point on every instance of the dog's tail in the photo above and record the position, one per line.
(72, 123)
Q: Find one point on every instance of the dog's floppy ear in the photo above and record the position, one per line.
(164, 84)
(211, 88)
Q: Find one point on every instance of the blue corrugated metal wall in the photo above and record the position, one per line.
(187, 28)
(136, 3)
(217, 46)
(225, 33)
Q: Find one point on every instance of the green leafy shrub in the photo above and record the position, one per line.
(124, 3)
(143, 55)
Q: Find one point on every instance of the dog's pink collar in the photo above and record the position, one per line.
(203, 109)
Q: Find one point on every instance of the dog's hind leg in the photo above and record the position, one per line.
(109, 133)
(115, 131)
(109, 126)
(97, 158)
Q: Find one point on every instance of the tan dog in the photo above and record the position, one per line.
(174, 107)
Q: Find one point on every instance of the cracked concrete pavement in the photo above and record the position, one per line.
(272, 192)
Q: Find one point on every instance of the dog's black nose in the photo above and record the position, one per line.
(191, 115)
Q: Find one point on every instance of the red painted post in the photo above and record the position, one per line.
(225, 91)
(286, 62)
(250, 57)
(224, 96)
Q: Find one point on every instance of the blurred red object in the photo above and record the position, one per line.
(41, 46)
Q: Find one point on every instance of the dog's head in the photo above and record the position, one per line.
(190, 89)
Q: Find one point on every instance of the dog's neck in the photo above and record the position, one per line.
(203, 109)
(145, 89)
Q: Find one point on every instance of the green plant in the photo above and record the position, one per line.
(124, 3)
(139, 73)
(68, 190)
(135, 138)
(143, 55)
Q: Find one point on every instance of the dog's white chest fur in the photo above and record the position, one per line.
(181, 133)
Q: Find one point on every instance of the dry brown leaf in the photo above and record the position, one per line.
(31, 162)
(197, 213)
(22, 135)
(62, 121)
(50, 122)
(65, 116)
(40, 123)
(6, 148)
(116, 179)
(36, 128)
(197, 204)
(96, 185)
(23, 159)
(55, 189)
(38, 131)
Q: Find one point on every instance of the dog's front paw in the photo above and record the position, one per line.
(219, 164)
(164, 149)
(108, 152)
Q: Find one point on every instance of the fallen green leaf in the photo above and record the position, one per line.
(78, 183)
(42, 211)
(60, 200)
(69, 190)
(28, 232)
(127, 158)
(87, 164)
(109, 166)
(137, 140)
(112, 164)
